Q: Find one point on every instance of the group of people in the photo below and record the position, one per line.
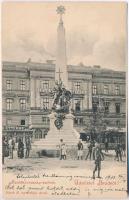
(23, 147)
(93, 149)
(94, 152)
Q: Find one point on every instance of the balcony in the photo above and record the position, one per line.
(48, 91)
(78, 92)
(15, 111)
(39, 110)
(15, 93)
(108, 96)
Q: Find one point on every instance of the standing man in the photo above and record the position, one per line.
(118, 151)
(11, 147)
(28, 147)
(20, 148)
(98, 158)
(90, 146)
(4, 148)
(62, 150)
(80, 149)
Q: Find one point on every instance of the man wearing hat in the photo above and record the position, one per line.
(98, 158)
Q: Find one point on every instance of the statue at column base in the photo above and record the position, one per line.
(61, 103)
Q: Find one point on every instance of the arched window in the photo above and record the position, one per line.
(9, 103)
(22, 104)
(38, 134)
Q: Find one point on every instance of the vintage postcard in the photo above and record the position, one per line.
(64, 103)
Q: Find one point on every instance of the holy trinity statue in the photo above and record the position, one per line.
(62, 98)
(61, 103)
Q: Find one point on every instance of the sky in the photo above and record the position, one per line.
(96, 33)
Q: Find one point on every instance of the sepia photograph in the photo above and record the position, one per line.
(64, 102)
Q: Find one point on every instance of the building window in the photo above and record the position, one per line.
(77, 86)
(95, 107)
(38, 134)
(22, 84)
(106, 89)
(22, 122)
(45, 104)
(77, 106)
(117, 90)
(75, 121)
(45, 85)
(106, 107)
(94, 89)
(22, 104)
(9, 122)
(9, 104)
(118, 123)
(8, 84)
(45, 120)
(117, 108)
(78, 121)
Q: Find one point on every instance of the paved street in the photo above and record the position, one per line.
(54, 163)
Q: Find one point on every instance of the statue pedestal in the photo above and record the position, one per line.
(69, 135)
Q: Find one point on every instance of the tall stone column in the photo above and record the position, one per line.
(61, 61)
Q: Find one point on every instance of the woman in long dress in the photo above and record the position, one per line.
(20, 149)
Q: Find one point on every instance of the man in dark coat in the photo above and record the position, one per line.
(118, 151)
(20, 149)
(90, 147)
(28, 147)
(4, 148)
(98, 158)
(80, 149)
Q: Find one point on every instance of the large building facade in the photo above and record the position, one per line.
(28, 98)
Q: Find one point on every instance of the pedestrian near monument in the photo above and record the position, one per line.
(62, 150)
(4, 149)
(98, 158)
(89, 154)
(123, 149)
(20, 148)
(28, 147)
(93, 151)
(80, 150)
(118, 151)
(11, 147)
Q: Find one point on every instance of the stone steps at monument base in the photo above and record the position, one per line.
(65, 138)
(71, 152)
(62, 135)
(53, 143)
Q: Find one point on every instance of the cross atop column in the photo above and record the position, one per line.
(59, 72)
(60, 10)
